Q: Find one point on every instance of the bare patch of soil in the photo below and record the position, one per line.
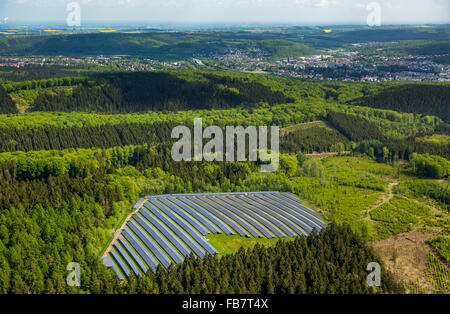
(405, 255)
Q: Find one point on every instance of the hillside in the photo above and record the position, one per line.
(94, 144)
(154, 45)
(144, 91)
(423, 99)
(179, 45)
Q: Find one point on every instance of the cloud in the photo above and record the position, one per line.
(322, 3)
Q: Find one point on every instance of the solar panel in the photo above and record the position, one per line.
(264, 226)
(243, 219)
(182, 248)
(291, 221)
(303, 222)
(121, 264)
(289, 195)
(133, 254)
(209, 225)
(183, 224)
(214, 219)
(151, 245)
(281, 230)
(304, 216)
(241, 231)
(202, 219)
(166, 246)
(136, 206)
(127, 259)
(194, 223)
(170, 227)
(233, 216)
(297, 203)
(116, 270)
(141, 249)
(177, 230)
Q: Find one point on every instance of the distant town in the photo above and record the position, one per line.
(339, 64)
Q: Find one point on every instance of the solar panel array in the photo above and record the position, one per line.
(167, 228)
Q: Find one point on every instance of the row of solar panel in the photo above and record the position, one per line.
(149, 227)
(170, 227)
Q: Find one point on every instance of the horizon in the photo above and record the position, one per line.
(249, 12)
(224, 24)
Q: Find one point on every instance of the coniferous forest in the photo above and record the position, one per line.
(318, 264)
(430, 100)
(135, 92)
(7, 105)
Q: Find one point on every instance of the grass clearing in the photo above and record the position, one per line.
(229, 244)
(361, 164)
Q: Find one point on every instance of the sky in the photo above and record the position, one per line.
(301, 12)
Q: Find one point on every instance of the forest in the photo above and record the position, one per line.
(368, 134)
(89, 145)
(95, 187)
(354, 127)
(84, 137)
(38, 72)
(59, 206)
(134, 92)
(62, 203)
(314, 138)
(319, 264)
(7, 105)
(167, 46)
(225, 98)
(430, 166)
(424, 99)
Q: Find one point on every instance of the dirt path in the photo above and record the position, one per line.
(294, 127)
(384, 198)
(300, 124)
(118, 232)
(324, 155)
(389, 195)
